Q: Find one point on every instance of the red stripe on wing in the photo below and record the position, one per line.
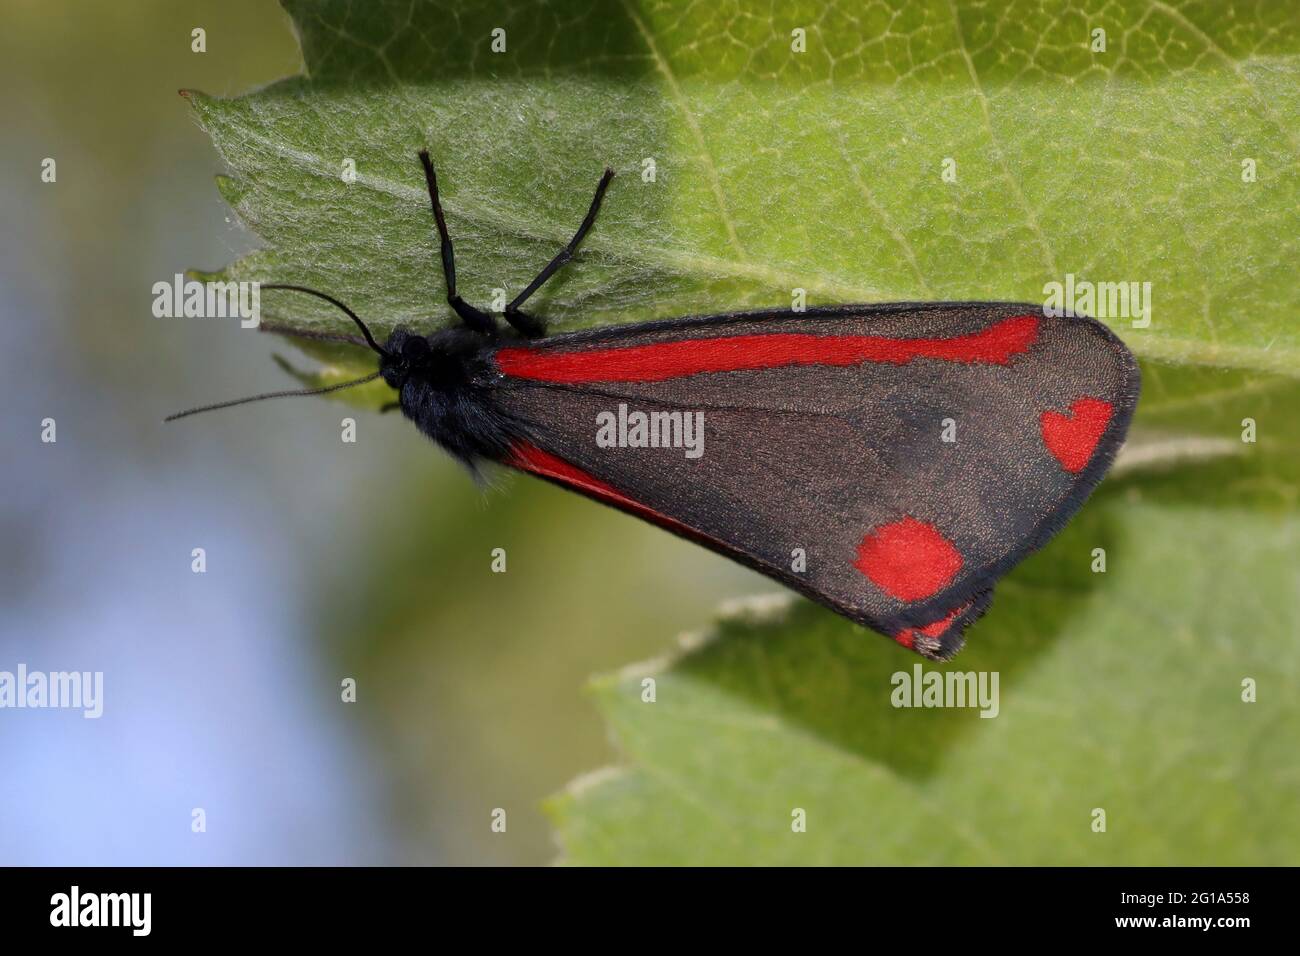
(665, 360)
(532, 459)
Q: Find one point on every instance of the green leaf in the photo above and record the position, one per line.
(1187, 440)
(1119, 690)
(778, 170)
(1121, 693)
(821, 170)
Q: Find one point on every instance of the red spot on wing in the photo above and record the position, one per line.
(908, 559)
(907, 636)
(665, 360)
(1073, 438)
(532, 459)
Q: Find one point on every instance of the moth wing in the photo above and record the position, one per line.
(890, 462)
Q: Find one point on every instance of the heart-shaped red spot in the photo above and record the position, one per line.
(1073, 438)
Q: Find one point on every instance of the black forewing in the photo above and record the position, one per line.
(817, 459)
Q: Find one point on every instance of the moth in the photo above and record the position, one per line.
(888, 461)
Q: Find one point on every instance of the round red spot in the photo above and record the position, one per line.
(1073, 438)
(908, 559)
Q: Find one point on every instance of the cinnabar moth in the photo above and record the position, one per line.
(888, 461)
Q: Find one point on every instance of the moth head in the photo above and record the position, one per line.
(437, 360)
(403, 352)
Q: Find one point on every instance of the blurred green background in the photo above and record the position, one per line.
(325, 560)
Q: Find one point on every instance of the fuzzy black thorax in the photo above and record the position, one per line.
(444, 383)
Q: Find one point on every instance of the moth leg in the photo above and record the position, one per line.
(530, 325)
(389, 407)
(476, 319)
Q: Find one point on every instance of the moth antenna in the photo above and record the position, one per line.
(370, 339)
(265, 395)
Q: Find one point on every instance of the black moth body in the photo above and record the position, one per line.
(888, 461)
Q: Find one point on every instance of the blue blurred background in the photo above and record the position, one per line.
(324, 560)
